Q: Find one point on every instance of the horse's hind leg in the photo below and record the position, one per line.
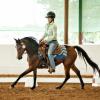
(67, 76)
(75, 69)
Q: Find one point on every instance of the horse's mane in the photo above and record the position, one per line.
(32, 43)
(31, 39)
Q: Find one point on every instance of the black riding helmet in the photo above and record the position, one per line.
(51, 14)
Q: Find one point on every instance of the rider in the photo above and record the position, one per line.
(50, 37)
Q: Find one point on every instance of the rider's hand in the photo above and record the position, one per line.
(45, 41)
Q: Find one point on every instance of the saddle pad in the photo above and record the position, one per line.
(59, 57)
(63, 50)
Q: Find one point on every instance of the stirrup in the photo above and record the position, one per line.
(51, 70)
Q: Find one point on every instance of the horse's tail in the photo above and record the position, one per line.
(85, 56)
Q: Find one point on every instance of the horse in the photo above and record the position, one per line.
(30, 46)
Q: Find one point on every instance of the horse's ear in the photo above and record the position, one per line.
(15, 40)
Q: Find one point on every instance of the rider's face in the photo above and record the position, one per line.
(49, 20)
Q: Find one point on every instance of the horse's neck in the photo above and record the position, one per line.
(33, 60)
(31, 53)
(29, 56)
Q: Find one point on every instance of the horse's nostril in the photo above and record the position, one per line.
(19, 58)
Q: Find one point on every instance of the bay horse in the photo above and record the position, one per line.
(31, 47)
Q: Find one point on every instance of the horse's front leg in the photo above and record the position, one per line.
(20, 76)
(34, 78)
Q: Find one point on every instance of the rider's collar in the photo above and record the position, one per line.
(50, 23)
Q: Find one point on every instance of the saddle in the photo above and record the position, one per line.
(60, 49)
(43, 51)
(44, 47)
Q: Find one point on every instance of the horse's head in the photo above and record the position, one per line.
(26, 45)
(20, 46)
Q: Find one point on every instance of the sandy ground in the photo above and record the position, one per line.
(47, 91)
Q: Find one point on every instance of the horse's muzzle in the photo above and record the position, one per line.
(19, 58)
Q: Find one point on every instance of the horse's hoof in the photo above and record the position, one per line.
(82, 87)
(32, 88)
(11, 87)
(58, 87)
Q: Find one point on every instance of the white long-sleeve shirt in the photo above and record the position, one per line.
(50, 32)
